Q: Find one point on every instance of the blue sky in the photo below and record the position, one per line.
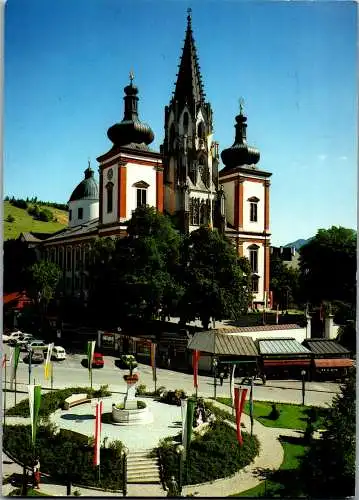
(294, 63)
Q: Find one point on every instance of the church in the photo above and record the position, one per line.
(184, 179)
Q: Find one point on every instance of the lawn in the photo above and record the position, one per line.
(24, 222)
(286, 481)
(291, 416)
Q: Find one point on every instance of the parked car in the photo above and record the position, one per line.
(37, 357)
(58, 353)
(23, 340)
(36, 344)
(9, 335)
(13, 337)
(98, 360)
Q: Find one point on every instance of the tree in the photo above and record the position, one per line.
(18, 259)
(284, 283)
(329, 467)
(328, 266)
(45, 279)
(216, 282)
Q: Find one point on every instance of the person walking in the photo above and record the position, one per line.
(36, 473)
(221, 376)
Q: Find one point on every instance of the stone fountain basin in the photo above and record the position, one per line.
(130, 416)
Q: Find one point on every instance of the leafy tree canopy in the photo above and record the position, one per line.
(328, 266)
(284, 282)
(45, 278)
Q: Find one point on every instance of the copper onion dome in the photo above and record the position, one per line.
(240, 153)
(130, 130)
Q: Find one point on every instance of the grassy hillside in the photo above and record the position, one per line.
(24, 222)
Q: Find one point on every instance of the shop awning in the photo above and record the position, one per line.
(268, 363)
(333, 363)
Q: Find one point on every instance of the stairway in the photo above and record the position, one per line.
(141, 468)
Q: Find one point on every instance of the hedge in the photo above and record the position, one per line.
(51, 401)
(66, 455)
(214, 455)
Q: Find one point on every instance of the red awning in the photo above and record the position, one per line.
(333, 363)
(16, 300)
(286, 362)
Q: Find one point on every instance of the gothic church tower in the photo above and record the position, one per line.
(190, 154)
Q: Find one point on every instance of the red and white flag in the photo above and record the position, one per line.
(239, 400)
(98, 427)
(4, 359)
(195, 359)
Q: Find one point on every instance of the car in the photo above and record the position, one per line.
(126, 360)
(36, 344)
(58, 353)
(37, 357)
(12, 337)
(98, 361)
(23, 340)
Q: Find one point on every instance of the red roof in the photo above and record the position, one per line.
(16, 300)
(333, 363)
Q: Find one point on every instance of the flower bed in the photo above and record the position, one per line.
(66, 453)
(214, 455)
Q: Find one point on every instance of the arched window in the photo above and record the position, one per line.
(201, 130)
(253, 209)
(68, 258)
(202, 213)
(141, 193)
(109, 188)
(61, 257)
(253, 257)
(172, 136)
(185, 122)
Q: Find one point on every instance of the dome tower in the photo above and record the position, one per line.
(84, 200)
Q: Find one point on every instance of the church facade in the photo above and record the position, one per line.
(183, 180)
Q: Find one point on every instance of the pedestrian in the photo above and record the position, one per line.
(221, 376)
(168, 361)
(36, 474)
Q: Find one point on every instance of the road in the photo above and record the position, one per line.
(70, 372)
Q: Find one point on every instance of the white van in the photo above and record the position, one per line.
(58, 353)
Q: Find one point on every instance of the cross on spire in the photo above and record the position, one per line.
(132, 76)
(241, 105)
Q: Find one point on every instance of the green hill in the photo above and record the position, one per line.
(24, 222)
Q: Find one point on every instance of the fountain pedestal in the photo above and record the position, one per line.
(128, 412)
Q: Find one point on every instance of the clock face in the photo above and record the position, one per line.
(110, 174)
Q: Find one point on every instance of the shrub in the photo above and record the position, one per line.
(10, 218)
(214, 455)
(141, 390)
(19, 203)
(274, 414)
(45, 215)
(173, 397)
(141, 405)
(65, 454)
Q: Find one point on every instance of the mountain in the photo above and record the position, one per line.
(23, 222)
(297, 243)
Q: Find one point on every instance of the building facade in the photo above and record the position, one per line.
(183, 180)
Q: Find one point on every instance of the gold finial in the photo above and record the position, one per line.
(88, 162)
(241, 105)
(132, 76)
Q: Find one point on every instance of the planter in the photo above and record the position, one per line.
(131, 416)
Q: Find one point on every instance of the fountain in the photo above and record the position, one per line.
(131, 410)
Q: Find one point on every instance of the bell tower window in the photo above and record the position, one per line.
(255, 283)
(185, 122)
(253, 258)
(200, 130)
(80, 213)
(253, 209)
(141, 193)
(109, 188)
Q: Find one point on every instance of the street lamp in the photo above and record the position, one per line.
(303, 373)
(124, 469)
(180, 450)
(215, 363)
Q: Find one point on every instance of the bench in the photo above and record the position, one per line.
(75, 399)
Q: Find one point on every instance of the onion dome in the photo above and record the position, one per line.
(131, 131)
(240, 153)
(87, 189)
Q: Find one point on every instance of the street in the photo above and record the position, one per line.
(70, 372)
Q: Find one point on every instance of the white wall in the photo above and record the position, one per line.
(136, 173)
(228, 188)
(112, 216)
(90, 211)
(253, 189)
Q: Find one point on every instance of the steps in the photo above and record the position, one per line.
(141, 468)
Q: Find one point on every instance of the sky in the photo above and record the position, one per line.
(293, 63)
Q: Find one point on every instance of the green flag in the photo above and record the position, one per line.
(191, 403)
(34, 404)
(15, 361)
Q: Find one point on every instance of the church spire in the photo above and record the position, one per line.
(189, 86)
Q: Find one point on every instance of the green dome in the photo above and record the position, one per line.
(87, 189)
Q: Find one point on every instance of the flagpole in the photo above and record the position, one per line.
(52, 376)
(5, 392)
(15, 387)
